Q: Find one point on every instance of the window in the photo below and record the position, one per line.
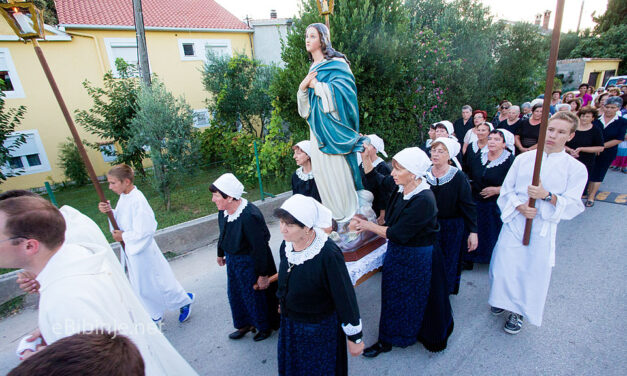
(201, 118)
(8, 73)
(188, 49)
(29, 157)
(125, 49)
(196, 49)
(108, 153)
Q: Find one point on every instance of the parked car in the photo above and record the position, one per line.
(616, 81)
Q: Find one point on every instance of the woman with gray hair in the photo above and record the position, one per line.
(614, 127)
(414, 297)
(525, 110)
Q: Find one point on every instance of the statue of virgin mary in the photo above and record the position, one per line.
(327, 99)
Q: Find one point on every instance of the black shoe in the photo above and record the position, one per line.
(241, 332)
(467, 265)
(376, 349)
(262, 335)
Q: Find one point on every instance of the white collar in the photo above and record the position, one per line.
(497, 162)
(238, 211)
(302, 175)
(377, 161)
(447, 177)
(298, 258)
(475, 146)
(421, 187)
(602, 119)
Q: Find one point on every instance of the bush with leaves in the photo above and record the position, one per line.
(10, 118)
(71, 162)
(275, 153)
(239, 87)
(115, 106)
(164, 124)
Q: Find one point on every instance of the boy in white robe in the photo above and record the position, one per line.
(81, 289)
(520, 275)
(149, 272)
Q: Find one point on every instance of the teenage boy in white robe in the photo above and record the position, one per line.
(149, 272)
(81, 289)
(520, 275)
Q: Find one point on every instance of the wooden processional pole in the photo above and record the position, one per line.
(550, 74)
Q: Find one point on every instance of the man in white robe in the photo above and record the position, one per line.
(520, 275)
(81, 289)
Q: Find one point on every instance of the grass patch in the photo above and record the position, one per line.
(190, 200)
(5, 271)
(12, 306)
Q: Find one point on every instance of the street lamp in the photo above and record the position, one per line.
(325, 7)
(27, 23)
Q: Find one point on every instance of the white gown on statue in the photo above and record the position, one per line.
(332, 174)
(520, 275)
(149, 272)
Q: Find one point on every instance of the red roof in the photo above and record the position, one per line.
(185, 14)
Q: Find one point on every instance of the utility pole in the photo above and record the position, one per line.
(142, 50)
(580, 14)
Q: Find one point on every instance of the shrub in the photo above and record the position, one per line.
(71, 163)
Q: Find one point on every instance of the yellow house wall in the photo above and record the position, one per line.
(598, 66)
(74, 61)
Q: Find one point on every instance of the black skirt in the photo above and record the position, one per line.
(450, 242)
(488, 228)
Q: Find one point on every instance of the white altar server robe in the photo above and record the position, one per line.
(82, 291)
(520, 275)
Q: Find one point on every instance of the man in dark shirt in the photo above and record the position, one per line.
(463, 124)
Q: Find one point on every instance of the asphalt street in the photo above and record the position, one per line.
(583, 332)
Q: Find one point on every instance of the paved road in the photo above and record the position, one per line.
(583, 333)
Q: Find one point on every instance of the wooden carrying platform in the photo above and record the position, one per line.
(363, 250)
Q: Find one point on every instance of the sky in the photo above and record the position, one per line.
(512, 10)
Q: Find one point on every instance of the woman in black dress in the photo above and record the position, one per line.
(487, 173)
(588, 140)
(243, 247)
(613, 127)
(375, 146)
(414, 296)
(529, 130)
(303, 180)
(318, 306)
(456, 208)
(478, 117)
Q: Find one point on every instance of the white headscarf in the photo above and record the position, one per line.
(305, 146)
(509, 139)
(308, 211)
(452, 147)
(378, 144)
(229, 184)
(415, 160)
(449, 126)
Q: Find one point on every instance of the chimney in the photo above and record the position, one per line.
(538, 19)
(273, 14)
(547, 17)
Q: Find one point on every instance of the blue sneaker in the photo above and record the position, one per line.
(186, 310)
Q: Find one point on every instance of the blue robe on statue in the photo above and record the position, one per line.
(337, 136)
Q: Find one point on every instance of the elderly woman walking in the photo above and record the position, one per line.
(414, 297)
(319, 310)
(456, 208)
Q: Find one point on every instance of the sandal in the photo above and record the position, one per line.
(589, 204)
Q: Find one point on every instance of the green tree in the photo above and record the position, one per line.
(611, 44)
(49, 9)
(568, 42)
(239, 88)
(164, 124)
(615, 15)
(521, 56)
(111, 115)
(10, 118)
(71, 162)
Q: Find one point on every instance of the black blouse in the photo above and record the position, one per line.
(460, 128)
(454, 197)
(380, 197)
(484, 173)
(614, 131)
(591, 137)
(305, 187)
(528, 133)
(317, 288)
(512, 128)
(411, 223)
(247, 235)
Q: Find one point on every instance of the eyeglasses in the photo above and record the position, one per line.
(13, 238)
